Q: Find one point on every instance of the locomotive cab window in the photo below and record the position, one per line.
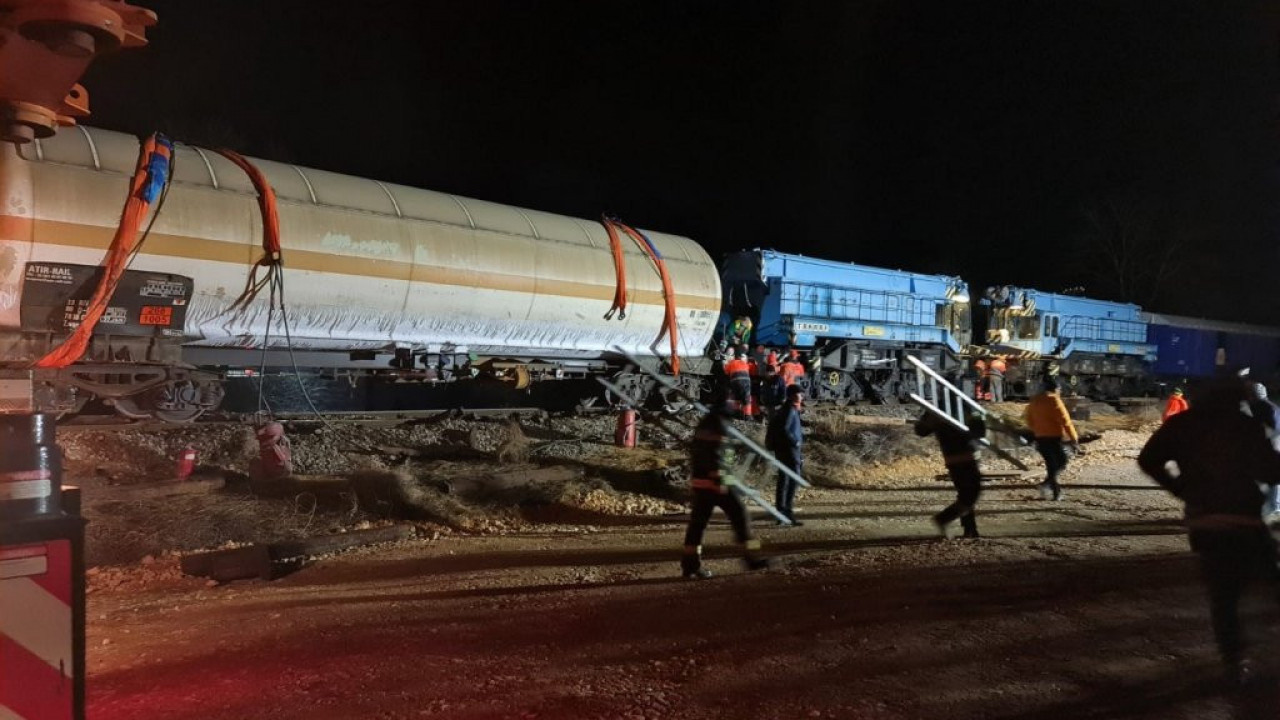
(1028, 328)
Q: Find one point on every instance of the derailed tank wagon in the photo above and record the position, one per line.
(380, 278)
(857, 323)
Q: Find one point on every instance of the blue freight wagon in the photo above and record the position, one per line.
(853, 323)
(1189, 348)
(1096, 347)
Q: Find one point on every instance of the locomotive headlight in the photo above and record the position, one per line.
(961, 297)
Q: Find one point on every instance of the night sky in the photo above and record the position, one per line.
(1132, 149)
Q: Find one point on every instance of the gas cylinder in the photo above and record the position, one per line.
(30, 467)
(186, 462)
(625, 434)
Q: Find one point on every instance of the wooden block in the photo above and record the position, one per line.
(252, 561)
(324, 544)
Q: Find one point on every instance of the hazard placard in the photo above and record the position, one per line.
(156, 315)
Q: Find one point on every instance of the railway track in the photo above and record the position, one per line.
(367, 418)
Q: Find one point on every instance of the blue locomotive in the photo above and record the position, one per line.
(854, 323)
(1096, 347)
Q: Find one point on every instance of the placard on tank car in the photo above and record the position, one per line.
(56, 295)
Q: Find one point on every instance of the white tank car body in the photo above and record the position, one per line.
(368, 265)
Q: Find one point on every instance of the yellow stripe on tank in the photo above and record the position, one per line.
(56, 232)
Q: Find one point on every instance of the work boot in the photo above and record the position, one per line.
(691, 567)
(1046, 492)
(942, 527)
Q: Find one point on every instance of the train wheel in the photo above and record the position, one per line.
(834, 386)
(634, 385)
(173, 402)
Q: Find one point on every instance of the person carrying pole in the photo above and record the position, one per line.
(712, 457)
(1049, 421)
(784, 438)
(959, 448)
(1221, 461)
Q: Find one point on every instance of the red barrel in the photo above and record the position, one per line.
(30, 467)
(625, 434)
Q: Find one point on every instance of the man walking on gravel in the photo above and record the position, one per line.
(784, 438)
(712, 458)
(1049, 421)
(1222, 462)
(958, 452)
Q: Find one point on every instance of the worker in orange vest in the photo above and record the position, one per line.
(771, 360)
(995, 379)
(739, 374)
(980, 369)
(792, 369)
(1177, 403)
(752, 406)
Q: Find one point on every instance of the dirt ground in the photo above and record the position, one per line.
(565, 601)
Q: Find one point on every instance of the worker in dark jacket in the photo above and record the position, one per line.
(773, 391)
(784, 438)
(959, 449)
(1222, 461)
(712, 457)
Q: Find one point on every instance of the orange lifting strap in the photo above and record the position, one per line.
(266, 203)
(619, 269)
(272, 256)
(149, 185)
(670, 328)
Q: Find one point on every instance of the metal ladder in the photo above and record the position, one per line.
(948, 402)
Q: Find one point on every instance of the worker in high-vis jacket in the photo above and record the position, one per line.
(740, 330)
(1050, 423)
(712, 456)
(738, 371)
(995, 378)
(980, 390)
(793, 370)
(1176, 403)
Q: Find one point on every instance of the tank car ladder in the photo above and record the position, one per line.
(948, 403)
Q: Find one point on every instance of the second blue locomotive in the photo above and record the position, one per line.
(857, 323)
